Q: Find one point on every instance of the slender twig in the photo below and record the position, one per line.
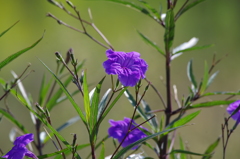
(157, 92)
(16, 81)
(179, 11)
(63, 23)
(39, 144)
(131, 122)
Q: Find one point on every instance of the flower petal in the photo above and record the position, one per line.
(24, 139)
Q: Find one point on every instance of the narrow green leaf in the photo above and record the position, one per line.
(86, 97)
(79, 111)
(153, 10)
(205, 79)
(221, 93)
(139, 110)
(211, 148)
(14, 56)
(44, 121)
(190, 74)
(169, 29)
(182, 147)
(103, 103)
(183, 121)
(210, 80)
(188, 152)
(194, 48)
(151, 43)
(95, 103)
(14, 121)
(44, 88)
(125, 149)
(66, 152)
(102, 153)
(112, 104)
(189, 6)
(133, 6)
(147, 109)
(54, 100)
(5, 31)
(61, 127)
(212, 103)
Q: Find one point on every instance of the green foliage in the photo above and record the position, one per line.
(13, 120)
(102, 153)
(188, 152)
(191, 76)
(210, 149)
(125, 149)
(15, 55)
(70, 98)
(169, 29)
(211, 103)
(151, 43)
(182, 121)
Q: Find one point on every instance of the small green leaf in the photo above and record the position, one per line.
(205, 79)
(151, 43)
(182, 146)
(211, 148)
(139, 110)
(125, 149)
(86, 97)
(14, 56)
(212, 103)
(210, 80)
(61, 127)
(102, 153)
(190, 75)
(153, 10)
(188, 152)
(169, 29)
(153, 121)
(66, 152)
(132, 5)
(221, 93)
(8, 29)
(103, 103)
(94, 104)
(183, 121)
(189, 6)
(194, 48)
(112, 104)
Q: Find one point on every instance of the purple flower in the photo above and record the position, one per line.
(119, 129)
(129, 67)
(232, 107)
(19, 149)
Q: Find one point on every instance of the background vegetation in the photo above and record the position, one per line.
(213, 22)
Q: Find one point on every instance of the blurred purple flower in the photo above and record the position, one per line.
(129, 67)
(119, 130)
(19, 149)
(232, 107)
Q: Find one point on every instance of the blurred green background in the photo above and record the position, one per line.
(213, 22)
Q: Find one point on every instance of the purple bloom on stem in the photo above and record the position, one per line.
(129, 67)
(232, 107)
(19, 149)
(119, 130)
